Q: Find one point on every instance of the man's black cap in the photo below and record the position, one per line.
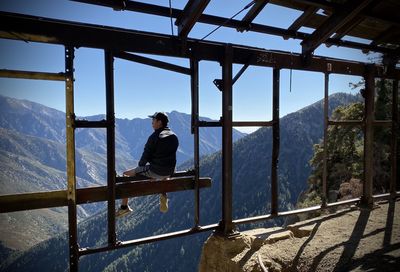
(162, 116)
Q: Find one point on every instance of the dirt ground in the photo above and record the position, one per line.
(353, 239)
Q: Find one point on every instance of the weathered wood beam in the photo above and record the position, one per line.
(32, 75)
(348, 27)
(51, 199)
(191, 13)
(237, 24)
(337, 20)
(391, 31)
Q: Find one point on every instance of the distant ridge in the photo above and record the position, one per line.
(251, 172)
(33, 158)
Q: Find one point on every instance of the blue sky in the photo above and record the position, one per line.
(141, 90)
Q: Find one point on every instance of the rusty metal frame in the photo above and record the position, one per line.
(369, 118)
(110, 116)
(194, 80)
(71, 171)
(325, 141)
(275, 140)
(226, 225)
(395, 131)
(111, 40)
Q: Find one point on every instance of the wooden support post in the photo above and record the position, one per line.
(395, 131)
(71, 178)
(275, 141)
(110, 115)
(227, 226)
(326, 121)
(367, 200)
(194, 77)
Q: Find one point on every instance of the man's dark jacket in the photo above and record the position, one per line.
(160, 152)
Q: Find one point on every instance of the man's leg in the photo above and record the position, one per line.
(163, 196)
(124, 209)
(127, 173)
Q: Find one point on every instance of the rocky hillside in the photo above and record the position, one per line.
(349, 240)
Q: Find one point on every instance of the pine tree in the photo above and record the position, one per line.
(345, 147)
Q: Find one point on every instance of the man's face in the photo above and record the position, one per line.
(156, 124)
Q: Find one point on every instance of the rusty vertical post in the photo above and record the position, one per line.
(226, 224)
(194, 80)
(110, 116)
(325, 159)
(275, 141)
(369, 115)
(71, 177)
(395, 127)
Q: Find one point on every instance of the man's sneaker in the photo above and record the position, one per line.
(163, 203)
(122, 212)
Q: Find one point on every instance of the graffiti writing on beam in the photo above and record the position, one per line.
(266, 58)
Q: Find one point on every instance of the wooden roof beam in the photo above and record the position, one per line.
(190, 15)
(332, 6)
(337, 20)
(216, 20)
(390, 32)
(252, 14)
(299, 22)
(344, 30)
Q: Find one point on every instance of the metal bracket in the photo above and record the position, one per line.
(219, 84)
(120, 5)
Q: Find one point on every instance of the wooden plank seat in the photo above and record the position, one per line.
(125, 187)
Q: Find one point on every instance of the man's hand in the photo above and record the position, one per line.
(129, 173)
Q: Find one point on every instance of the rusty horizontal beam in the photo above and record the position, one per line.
(210, 124)
(253, 219)
(47, 30)
(383, 123)
(91, 124)
(51, 199)
(346, 123)
(170, 235)
(31, 201)
(153, 62)
(252, 123)
(32, 75)
(150, 239)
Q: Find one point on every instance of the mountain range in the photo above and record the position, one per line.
(33, 158)
(299, 131)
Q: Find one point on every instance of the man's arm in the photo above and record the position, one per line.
(148, 150)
